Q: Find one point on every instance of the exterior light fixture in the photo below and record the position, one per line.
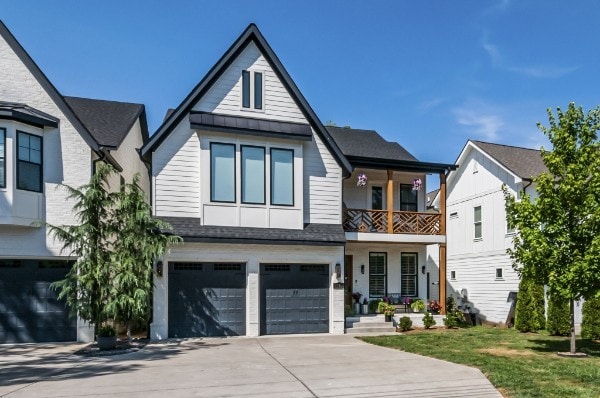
(159, 268)
(338, 270)
(423, 269)
(362, 269)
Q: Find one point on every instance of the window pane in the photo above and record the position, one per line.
(35, 156)
(2, 157)
(282, 177)
(377, 274)
(478, 230)
(2, 174)
(253, 175)
(35, 143)
(409, 277)
(222, 166)
(377, 198)
(408, 198)
(257, 90)
(245, 89)
(477, 214)
(29, 176)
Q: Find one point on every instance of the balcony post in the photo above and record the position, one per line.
(390, 202)
(442, 253)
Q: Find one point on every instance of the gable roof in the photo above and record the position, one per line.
(250, 34)
(47, 86)
(367, 143)
(523, 162)
(108, 121)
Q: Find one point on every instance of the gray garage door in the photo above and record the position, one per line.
(294, 298)
(29, 310)
(207, 299)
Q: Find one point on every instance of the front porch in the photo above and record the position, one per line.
(374, 324)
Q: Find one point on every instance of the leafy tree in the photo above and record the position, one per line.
(139, 243)
(86, 287)
(558, 322)
(529, 313)
(558, 243)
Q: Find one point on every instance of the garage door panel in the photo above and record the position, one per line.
(207, 299)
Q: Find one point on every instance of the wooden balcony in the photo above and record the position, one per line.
(403, 222)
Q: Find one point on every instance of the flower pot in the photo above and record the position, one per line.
(364, 309)
(106, 343)
(388, 318)
(357, 308)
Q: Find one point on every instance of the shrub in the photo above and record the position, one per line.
(106, 331)
(558, 322)
(374, 305)
(349, 311)
(405, 323)
(454, 317)
(428, 320)
(590, 326)
(389, 310)
(529, 314)
(417, 305)
(381, 306)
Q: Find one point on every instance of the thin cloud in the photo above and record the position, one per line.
(430, 104)
(483, 125)
(544, 71)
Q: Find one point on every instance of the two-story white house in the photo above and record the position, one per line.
(480, 271)
(47, 139)
(276, 233)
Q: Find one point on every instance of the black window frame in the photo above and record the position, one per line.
(415, 275)
(403, 204)
(384, 275)
(246, 89)
(234, 173)
(499, 275)
(264, 202)
(379, 188)
(41, 164)
(3, 157)
(271, 176)
(258, 88)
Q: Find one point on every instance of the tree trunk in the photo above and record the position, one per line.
(572, 314)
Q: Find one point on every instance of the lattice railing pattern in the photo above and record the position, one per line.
(404, 222)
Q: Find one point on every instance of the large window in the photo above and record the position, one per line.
(377, 198)
(408, 198)
(253, 174)
(222, 172)
(2, 158)
(252, 89)
(377, 274)
(29, 162)
(282, 177)
(477, 222)
(408, 270)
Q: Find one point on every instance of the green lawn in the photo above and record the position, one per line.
(518, 364)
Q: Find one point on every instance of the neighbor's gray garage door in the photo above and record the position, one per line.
(207, 299)
(294, 298)
(29, 310)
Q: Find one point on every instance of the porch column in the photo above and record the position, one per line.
(390, 202)
(443, 245)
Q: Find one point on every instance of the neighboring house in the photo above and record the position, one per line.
(480, 271)
(47, 139)
(276, 233)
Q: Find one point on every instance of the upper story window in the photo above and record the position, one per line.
(253, 174)
(2, 158)
(477, 222)
(252, 90)
(29, 162)
(282, 177)
(376, 198)
(408, 198)
(222, 172)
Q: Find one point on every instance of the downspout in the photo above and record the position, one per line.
(530, 181)
(101, 158)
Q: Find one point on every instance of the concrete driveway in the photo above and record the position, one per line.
(290, 366)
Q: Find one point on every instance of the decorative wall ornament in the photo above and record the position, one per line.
(361, 180)
(417, 184)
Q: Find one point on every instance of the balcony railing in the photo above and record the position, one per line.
(403, 222)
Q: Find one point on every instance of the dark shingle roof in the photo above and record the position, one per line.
(26, 114)
(431, 196)
(191, 230)
(107, 121)
(523, 162)
(367, 144)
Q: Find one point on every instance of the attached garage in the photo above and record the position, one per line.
(207, 299)
(30, 311)
(294, 298)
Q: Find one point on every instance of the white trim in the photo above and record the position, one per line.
(394, 238)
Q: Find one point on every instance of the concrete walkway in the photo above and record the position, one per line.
(289, 366)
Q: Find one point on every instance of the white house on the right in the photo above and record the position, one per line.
(479, 270)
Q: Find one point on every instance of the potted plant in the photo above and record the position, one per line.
(417, 305)
(434, 306)
(106, 337)
(356, 296)
(381, 306)
(389, 312)
(365, 307)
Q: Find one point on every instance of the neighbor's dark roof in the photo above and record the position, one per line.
(431, 196)
(523, 162)
(25, 114)
(108, 121)
(368, 143)
(191, 230)
(250, 126)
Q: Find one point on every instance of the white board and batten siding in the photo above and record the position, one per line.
(181, 163)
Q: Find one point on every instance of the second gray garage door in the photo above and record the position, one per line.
(294, 298)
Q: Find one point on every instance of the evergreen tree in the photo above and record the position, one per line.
(590, 324)
(558, 322)
(529, 314)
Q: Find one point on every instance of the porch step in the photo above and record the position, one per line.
(369, 324)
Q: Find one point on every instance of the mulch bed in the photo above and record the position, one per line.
(123, 347)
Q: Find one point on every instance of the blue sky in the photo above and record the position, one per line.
(428, 74)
